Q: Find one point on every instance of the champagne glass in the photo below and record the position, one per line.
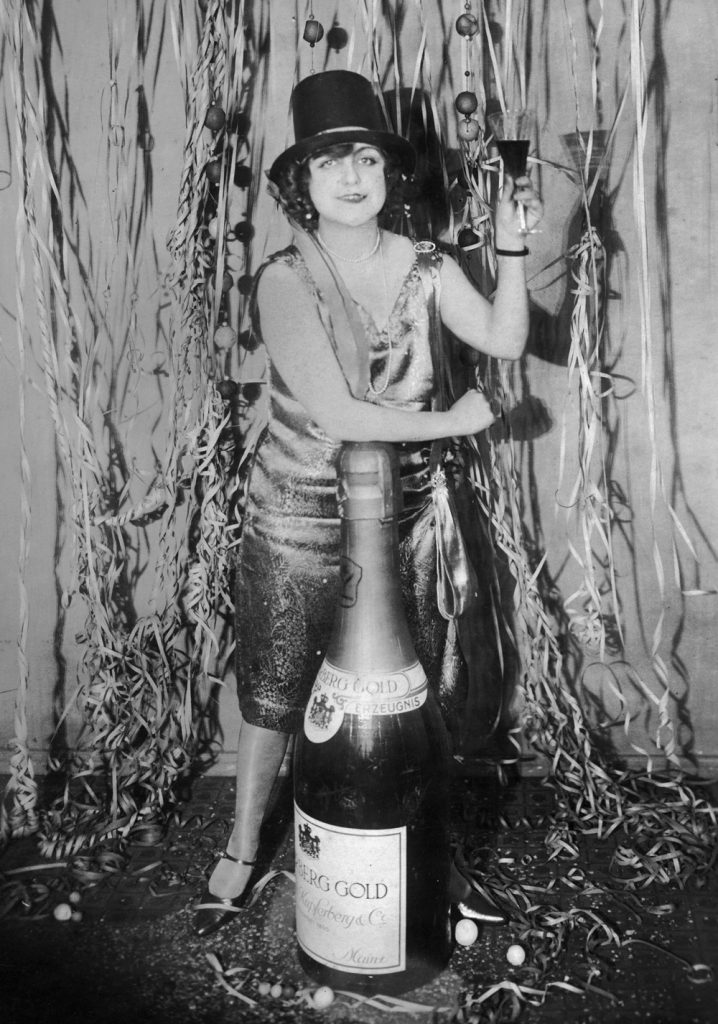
(513, 130)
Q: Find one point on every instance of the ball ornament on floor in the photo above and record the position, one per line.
(466, 932)
(516, 955)
(322, 997)
(62, 912)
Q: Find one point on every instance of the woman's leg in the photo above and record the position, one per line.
(260, 753)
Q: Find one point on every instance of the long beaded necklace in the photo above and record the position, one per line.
(378, 245)
(387, 378)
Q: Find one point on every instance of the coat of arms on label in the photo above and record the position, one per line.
(308, 842)
(320, 711)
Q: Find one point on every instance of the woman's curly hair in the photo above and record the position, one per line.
(292, 188)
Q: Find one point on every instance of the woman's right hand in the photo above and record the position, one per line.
(470, 414)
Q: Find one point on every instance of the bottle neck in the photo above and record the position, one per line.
(371, 633)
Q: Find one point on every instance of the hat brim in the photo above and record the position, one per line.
(390, 143)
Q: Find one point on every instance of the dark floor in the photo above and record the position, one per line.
(594, 951)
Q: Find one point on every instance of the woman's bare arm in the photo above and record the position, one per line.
(302, 354)
(500, 327)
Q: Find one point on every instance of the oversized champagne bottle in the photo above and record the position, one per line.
(370, 768)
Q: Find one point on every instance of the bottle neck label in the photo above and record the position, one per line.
(337, 693)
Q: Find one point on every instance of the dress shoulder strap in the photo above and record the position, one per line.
(344, 327)
(429, 260)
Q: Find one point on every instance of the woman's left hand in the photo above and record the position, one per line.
(508, 225)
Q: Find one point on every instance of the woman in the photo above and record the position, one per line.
(343, 316)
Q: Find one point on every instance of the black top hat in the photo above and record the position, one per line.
(334, 107)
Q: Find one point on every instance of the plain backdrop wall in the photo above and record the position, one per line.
(682, 217)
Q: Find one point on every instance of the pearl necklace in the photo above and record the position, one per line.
(351, 259)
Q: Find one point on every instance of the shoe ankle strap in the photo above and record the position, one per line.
(237, 860)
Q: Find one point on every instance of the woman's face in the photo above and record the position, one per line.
(348, 186)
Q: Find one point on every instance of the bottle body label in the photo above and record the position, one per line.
(351, 895)
(337, 692)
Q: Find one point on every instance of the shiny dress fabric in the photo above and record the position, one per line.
(287, 581)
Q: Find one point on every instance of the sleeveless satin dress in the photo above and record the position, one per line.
(286, 570)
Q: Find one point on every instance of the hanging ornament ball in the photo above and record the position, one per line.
(242, 176)
(467, 238)
(466, 102)
(248, 341)
(466, 932)
(62, 912)
(467, 25)
(410, 190)
(210, 205)
(227, 281)
(225, 337)
(227, 389)
(213, 170)
(212, 227)
(244, 284)
(313, 31)
(337, 37)
(468, 129)
(469, 356)
(323, 997)
(215, 118)
(251, 392)
(241, 124)
(467, 177)
(243, 232)
(516, 955)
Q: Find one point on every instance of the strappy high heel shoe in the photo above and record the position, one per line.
(213, 911)
(469, 902)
